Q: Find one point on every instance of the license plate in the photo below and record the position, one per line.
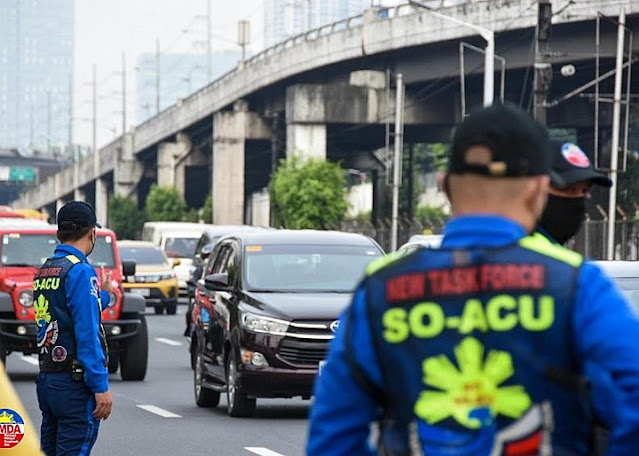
(321, 366)
(146, 292)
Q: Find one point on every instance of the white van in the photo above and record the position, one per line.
(180, 245)
(152, 231)
(178, 240)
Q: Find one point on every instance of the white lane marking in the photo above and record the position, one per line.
(31, 360)
(262, 451)
(158, 411)
(172, 342)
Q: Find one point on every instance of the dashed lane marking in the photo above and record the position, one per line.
(171, 342)
(262, 451)
(31, 360)
(158, 411)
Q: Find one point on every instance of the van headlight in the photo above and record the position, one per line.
(266, 325)
(25, 298)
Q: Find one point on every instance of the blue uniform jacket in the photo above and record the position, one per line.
(82, 301)
(606, 332)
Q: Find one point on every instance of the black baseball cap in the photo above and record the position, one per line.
(571, 165)
(519, 145)
(76, 215)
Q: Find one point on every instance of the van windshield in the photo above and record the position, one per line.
(19, 249)
(102, 255)
(180, 247)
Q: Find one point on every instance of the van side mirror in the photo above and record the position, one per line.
(217, 282)
(128, 268)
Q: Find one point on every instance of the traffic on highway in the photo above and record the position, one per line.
(319, 227)
(264, 307)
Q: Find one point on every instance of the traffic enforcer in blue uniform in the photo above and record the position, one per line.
(73, 355)
(492, 345)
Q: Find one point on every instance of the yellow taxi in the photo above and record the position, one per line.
(154, 278)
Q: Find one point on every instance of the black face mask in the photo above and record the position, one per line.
(563, 217)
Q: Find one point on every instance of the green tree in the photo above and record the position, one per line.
(207, 209)
(431, 216)
(308, 193)
(164, 204)
(126, 219)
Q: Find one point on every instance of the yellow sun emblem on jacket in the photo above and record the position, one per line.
(474, 386)
(41, 307)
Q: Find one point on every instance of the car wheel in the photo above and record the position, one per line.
(239, 405)
(134, 359)
(204, 397)
(159, 309)
(171, 308)
(114, 363)
(192, 352)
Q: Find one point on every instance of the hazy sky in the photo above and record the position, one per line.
(106, 28)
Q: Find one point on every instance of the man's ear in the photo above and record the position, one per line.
(442, 182)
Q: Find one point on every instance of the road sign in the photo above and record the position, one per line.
(21, 174)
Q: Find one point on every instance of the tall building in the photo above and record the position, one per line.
(180, 75)
(286, 18)
(36, 71)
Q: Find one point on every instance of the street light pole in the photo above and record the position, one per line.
(616, 121)
(489, 59)
(397, 159)
(209, 51)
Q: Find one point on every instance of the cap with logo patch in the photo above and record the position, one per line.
(77, 215)
(518, 145)
(571, 165)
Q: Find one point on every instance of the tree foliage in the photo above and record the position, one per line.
(308, 193)
(431, 216)
(207, 209)
(126, 219)
(164, 204)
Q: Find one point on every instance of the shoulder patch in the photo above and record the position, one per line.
(95, 288)
(540, 244)
(384, 261)
(73, 259)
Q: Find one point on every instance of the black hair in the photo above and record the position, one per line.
(68, 235)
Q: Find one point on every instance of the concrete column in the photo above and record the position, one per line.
(101, 200)
(79, 195)
(306, 140)
(306, 122)
(58, 204)
(171, 162)
(229, 142)
(128, 170)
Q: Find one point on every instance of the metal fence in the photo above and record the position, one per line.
(591, 241)
(381, 232)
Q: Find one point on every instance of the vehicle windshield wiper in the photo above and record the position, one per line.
(18, 265)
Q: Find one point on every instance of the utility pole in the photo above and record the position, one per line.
(209, 51)
(543, 69)
(616, 121)
(49, 121)
(243, 36)
(70, 139)
(157, 75)
(397, 159)
(123, 93)
(31, 144)
(95, 110)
